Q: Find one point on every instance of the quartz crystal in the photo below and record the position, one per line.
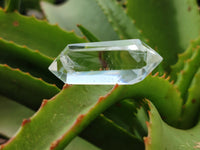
(107, 63)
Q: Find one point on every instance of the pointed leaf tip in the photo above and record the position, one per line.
(44, 102)
(25, 121)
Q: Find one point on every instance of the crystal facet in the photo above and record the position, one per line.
(110, 62)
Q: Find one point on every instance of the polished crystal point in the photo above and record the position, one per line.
(107, 63)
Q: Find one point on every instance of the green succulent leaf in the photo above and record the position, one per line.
(186, 75)
(87, 13)
(192, 105)
(121, 23)
(169, 25)
(182, 58)
(162, 136)
(164, 98)
(73, 111)
(48, 39)
(24, 86)
(27, 60)
(12, 114)
(68, 111)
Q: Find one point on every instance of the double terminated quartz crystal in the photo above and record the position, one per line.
(111, 62)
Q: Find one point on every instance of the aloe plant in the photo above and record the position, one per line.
(39, 112)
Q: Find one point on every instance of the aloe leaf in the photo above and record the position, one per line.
(164, 98)
(192, 105)
(121, 23)
(186, 75)
(182, 58)
(69, 14)
(12, 115)
(69, 113)
(17, 81)
(73, 111)
(49, 39)
(111, 136)
(167, 24)
(12, 5)
(88, 34)
(162, 136)
(27, 60)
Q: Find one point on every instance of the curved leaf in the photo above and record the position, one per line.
(27, 60)
(69, 113)
(42, 36)
(17, 82)
(162, 136)
(87, 13)
(168, 24)
(163, 98)
(122, 23)
(186, 75)
(12, 115)
(76, 106)
(176, 69)
(192, 105)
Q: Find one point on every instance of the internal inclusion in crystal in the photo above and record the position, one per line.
(111, 62)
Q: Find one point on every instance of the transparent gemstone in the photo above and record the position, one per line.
(110, 62)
